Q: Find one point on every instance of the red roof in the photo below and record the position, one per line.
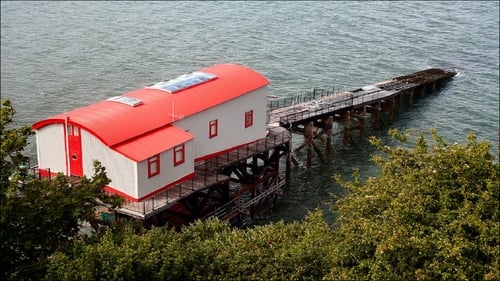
(114, 123)
(143, 147)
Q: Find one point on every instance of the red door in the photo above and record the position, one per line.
(75, 150)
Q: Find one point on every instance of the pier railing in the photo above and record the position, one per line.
(24, 174)
(241, 205)
(327, 101)
(329, 104)
(314, 94)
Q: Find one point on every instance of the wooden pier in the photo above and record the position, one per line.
(231, 186)
(313, 113)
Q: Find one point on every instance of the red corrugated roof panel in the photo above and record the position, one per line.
(143, 147)
(114, 123)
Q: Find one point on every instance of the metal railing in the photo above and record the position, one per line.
(340, 102)
(240, 205)
(324, 101)
(316, 93)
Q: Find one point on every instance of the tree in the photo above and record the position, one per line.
(431, 214)
(38, 217)
(208, 250)
(12, 143)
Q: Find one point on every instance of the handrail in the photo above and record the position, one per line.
(301, 103)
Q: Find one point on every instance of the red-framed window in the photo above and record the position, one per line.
(73, 130)
(154, 166)
(213, 128)
(179, 154)
(248, 118)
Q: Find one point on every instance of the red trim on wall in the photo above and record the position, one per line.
(215, 154)
(66, 155)
(133, 199)
(45, 173)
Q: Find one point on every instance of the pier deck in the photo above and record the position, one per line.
(318, 104)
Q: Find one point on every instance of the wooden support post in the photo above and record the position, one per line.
(328, 124)
(390, 109)
(94, 224)
(347, 129)
(397, 102)
(422, 93)
(362, 124)
(434, 86)
(308, 138)
(288, 164)
(154, 220)
(412, 91)
(376, 117)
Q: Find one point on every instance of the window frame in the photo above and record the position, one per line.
(249, 118)
(151, 161)
(182, 149)
(213, 128)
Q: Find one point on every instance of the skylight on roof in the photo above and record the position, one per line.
(183, 82)
(126, 100)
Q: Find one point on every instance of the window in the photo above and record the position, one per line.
(179, 155)
(73, 130)
(248, 118)
(154, 166)
(76, 131)
(213, 129)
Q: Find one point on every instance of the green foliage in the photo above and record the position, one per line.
(38, 217)
(12, 143)
(209, 250)
(431, 214)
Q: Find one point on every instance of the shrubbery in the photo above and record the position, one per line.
(432, 213)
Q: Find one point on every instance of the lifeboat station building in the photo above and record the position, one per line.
(151, 138)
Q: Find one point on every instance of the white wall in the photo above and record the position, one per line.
(231, 123)
(51, 151)
(121, 170)
(128, 176)
(168, 173)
